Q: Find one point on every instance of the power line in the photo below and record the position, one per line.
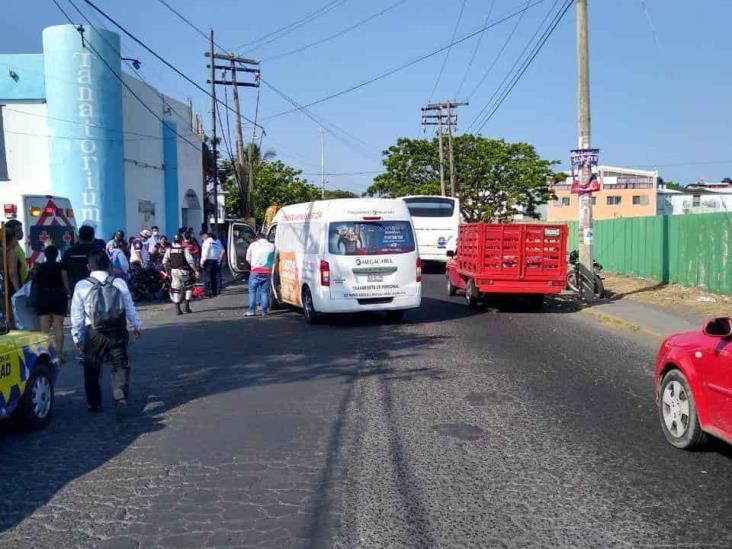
(135, 68)
(527, 63)
(337, 34)
(500, 52)
(190, 24)
(520, 56)
(408, 63)
(118, 76)
(368, 172)
(447, 53)
(283, 31)
(328, 126)
(475, 50)
(77, 123)
(158, 56)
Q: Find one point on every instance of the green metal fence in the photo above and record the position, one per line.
(692, 250)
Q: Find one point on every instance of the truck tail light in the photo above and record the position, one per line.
(10, 210)
(324, 273)
(419, 269)
(35, 211)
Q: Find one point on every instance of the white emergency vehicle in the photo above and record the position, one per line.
(46, 220)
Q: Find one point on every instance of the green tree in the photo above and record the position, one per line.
(338, 193)
(496, 180)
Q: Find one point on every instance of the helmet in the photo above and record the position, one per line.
(177, 239)
(144, 233)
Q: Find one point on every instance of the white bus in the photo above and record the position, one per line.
(346, 255)
(436, 220)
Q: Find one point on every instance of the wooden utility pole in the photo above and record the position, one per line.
(236, 65)
(213, 141)
(444, 119)
(322, 164)
(583, 127)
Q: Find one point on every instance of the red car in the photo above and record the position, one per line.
(694, 385)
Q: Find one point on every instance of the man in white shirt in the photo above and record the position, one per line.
(210, 256)
(260, 256)
(101, 308)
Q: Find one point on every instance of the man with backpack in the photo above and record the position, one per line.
(100, 310)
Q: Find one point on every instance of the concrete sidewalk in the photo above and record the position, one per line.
(658, 322)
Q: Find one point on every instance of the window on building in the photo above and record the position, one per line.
(640, 200)
(594, 201)
(614, 200)
(696, 201)
(564, 201)
(3, 158)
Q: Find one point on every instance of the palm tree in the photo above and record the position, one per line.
(253, 157)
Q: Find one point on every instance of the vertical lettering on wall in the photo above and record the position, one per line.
(88, 146)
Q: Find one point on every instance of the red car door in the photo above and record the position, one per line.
(716, 371)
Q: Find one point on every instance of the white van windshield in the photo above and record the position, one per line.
(370, 238)
(428, 206)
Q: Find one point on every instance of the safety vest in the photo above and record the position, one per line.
(178, 259)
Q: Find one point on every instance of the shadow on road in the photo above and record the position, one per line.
(176, 363)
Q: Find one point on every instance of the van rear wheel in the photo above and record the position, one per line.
(308, 307)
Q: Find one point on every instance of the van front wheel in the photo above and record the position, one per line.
(308, 308)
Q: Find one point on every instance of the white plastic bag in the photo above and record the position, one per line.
(24, 312)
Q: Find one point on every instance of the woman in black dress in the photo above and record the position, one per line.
(51, 298)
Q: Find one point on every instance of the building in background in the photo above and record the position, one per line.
(695, 199)
(623, 192)
(125, 154)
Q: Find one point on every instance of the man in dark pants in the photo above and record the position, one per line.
(75, 260)
(100, 310)
(210, 256)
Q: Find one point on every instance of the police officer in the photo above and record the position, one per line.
(181, 269)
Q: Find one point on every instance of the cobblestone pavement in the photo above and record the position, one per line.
(454, 429)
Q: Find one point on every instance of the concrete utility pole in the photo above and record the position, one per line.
(213, 141)
(235, 66)
(583, 130)
(444, 119)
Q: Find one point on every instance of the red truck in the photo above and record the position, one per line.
(495, 258)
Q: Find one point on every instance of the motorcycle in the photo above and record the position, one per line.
(145, 283)
(580, 280)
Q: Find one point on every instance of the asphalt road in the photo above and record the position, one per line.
(454, 429)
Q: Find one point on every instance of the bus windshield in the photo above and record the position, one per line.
(430, 206)
(370, 237)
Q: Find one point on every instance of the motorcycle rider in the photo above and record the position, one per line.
(181, 269)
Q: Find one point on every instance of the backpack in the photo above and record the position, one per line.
(104, 306)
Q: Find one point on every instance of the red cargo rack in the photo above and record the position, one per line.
(509, 259)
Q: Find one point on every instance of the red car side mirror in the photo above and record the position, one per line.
(718, 327)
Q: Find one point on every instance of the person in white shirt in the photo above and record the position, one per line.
(260, 256)
(101, 308)
(154, 239)
(210, 257)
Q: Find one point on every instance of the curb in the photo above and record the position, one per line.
(623, 323)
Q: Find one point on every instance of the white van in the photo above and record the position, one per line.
(346, 255)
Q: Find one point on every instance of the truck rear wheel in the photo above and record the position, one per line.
(308, 307)
(471, 294)
(451, 288)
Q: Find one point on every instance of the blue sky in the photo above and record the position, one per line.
(661, 78)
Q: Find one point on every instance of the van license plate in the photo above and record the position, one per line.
(375, 278)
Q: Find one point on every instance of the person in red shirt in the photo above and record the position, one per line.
(191, 244)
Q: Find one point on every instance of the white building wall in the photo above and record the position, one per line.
(190, 166)
(683, 203)
(143, 153)
(26, 147)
